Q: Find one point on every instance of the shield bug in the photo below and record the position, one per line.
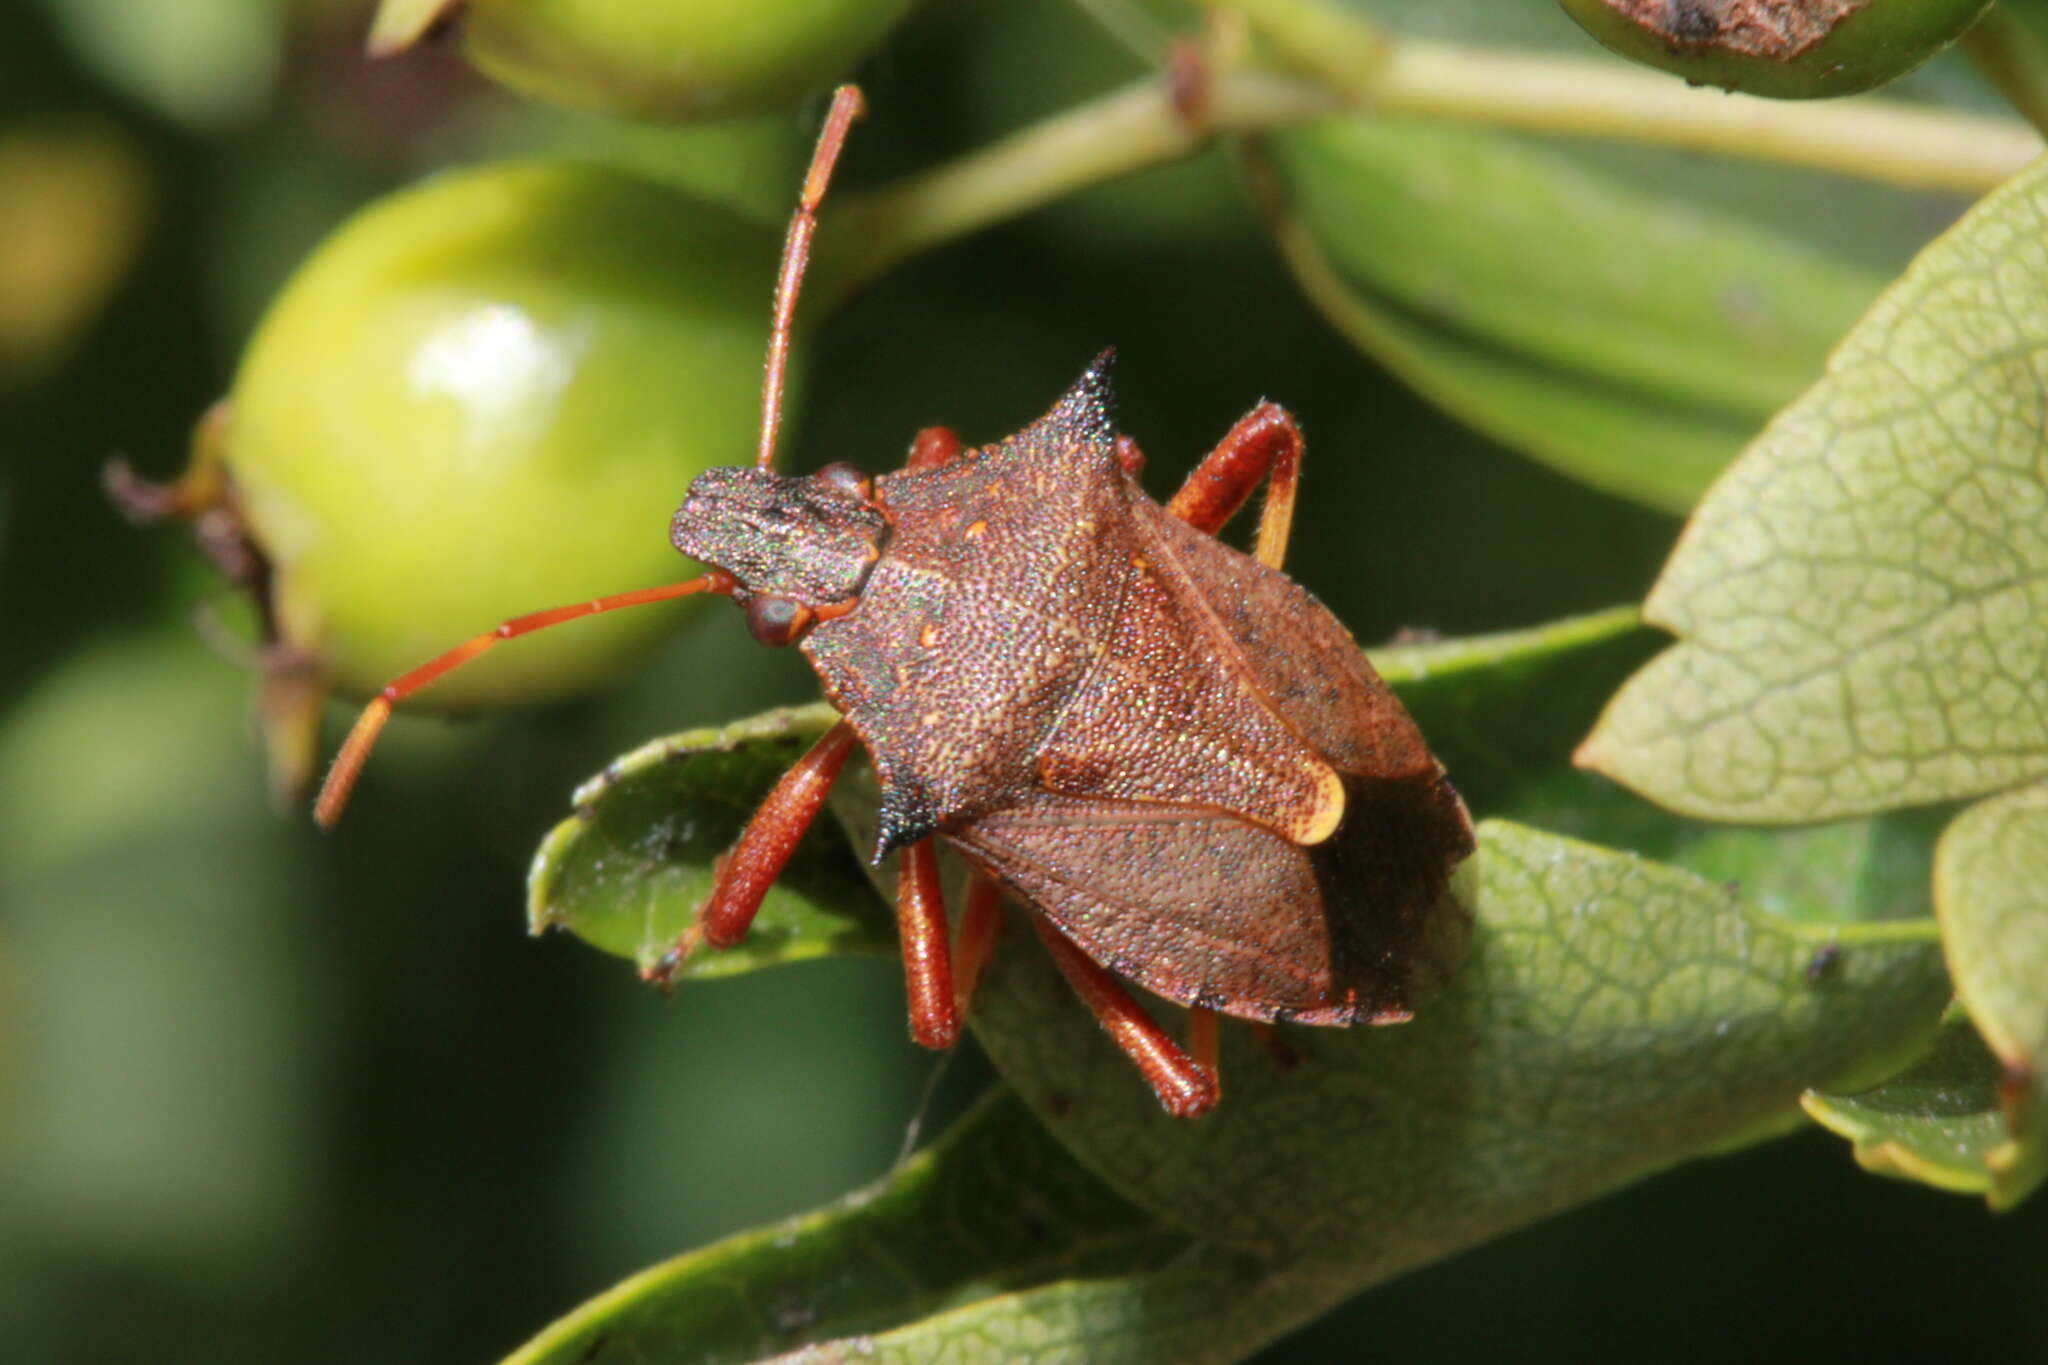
(1176, 758)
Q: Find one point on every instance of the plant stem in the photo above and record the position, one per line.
(2013, 58)
(1137, 128)
(1871, 138)
(1131, 130)
(1863, 136)
(1341, 46)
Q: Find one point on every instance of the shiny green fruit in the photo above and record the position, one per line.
(485, 396)
(1787, 49)
(677, 59)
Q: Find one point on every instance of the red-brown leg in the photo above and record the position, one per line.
(981, 924)
(764, 849)
(1205, 1046)
(927, 961)
(1129, 456)
(355, 750)
(1184, 1088)
(1264, 443)
(931, 448)
(1276, 1047)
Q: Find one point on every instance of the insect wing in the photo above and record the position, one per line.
(1189, 902)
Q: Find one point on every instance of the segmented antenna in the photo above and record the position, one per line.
(847, 105)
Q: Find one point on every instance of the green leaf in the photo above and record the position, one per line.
(1607, 437)
(993, 1209)
(205, 63)
(1629, 339)
(1568, 268)
(1503, 712)
(1615, 1016)
(627, 871)
(1991, 893)
(1938, 1123)
(1625, 337)
(1861, 598)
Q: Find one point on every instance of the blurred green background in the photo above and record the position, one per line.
(270, 1094)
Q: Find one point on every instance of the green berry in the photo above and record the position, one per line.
(1792, 49)
(678, 59)
(485, 396)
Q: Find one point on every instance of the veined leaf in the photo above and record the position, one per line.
(1615, 1016)
(1862, 600)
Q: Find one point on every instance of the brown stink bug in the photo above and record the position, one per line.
(1173, 755)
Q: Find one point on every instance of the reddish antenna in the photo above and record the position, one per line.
(355, 750)
(847, 105)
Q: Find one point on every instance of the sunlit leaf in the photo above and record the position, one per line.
(1503, 712)
(1860, 599)
(1991, 892)
(1615, 1016)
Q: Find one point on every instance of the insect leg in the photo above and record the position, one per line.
(1265, 443)
(1276, 1047)
(980, 925)
(764, 849)
(927, 960)
(931, 448)
(1204, 1043)
(1184, 1089)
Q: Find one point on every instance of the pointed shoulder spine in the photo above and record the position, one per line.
(1083, 419)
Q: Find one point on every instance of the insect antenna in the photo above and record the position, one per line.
(847, 105)
(355, 750)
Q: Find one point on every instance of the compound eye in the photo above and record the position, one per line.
(778, 621)
(849, 478)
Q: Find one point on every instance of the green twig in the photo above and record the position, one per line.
(1868, 137)
(1871, 138)
(1131, 130)
(2013, 58)
(1137, 128)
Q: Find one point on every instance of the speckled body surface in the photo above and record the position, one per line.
(1175, 753)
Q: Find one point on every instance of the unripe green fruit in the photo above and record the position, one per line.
(1787, 49)
(677, 59)
(485, 396)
